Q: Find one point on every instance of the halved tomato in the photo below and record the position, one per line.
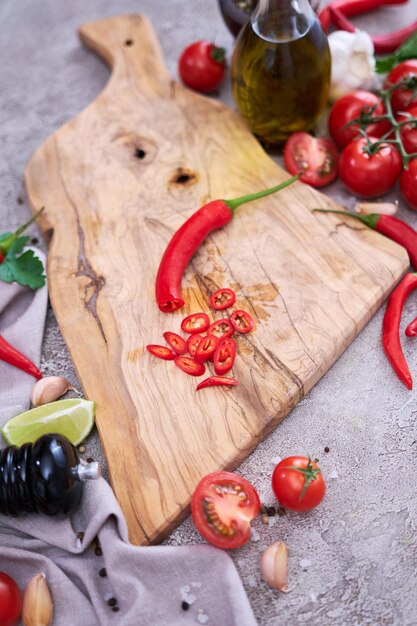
(315, 158)
(222, 506)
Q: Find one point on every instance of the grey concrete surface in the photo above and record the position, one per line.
(353, 560)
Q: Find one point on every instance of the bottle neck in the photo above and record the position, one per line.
(282, 20)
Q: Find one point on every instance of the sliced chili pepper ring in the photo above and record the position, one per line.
(189, 365)
(206, 348)
(241, 321)
(222, 299)
(176, 342)
(217, 381)
(192, 343)
(195, 323)
(162, 352)
(221, 328)
(224, 357)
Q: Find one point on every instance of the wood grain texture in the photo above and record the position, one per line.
(117, 181)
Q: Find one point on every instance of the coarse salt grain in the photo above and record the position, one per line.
(202, 618)
(275, 460)
(334, 474)
(252, 582)
(313, 597)
(304, 563)
(108, 596)
(190, 598)
(254, 535)
(272, 521)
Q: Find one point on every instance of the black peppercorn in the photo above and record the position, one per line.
(327, 449)
(271, 511)
(103, 572)
(184, 605)
(98, 551)
(115, 609)
(112, 601)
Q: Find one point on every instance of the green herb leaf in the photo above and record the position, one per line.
(407, 51)
(26, 269)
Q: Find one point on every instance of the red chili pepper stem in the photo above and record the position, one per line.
(6, 243)
(236, 202)
(387, 225)
(10, 355)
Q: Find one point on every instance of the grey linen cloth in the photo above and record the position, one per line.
(95, 576)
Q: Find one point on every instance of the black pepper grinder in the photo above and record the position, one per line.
(44, 477)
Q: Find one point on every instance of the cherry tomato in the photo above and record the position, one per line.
(408, 132)
(317, 159)
(298, 483)
(216, 381)
(202, 66)
(241, 321)
(349, 107)
(401, 99)
(10, 601)
(224, 357)
(368, 175)
(408, 184)
(221, 328)
(192, 343)
(222, 506)
(195, 323)
(189, 365)
(177, 343)
(162, 352)
(222, 299)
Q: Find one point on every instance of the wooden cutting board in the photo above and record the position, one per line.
(117, 181)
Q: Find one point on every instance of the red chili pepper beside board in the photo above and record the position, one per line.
(10, 355)
(391, 328)
(387, 225)
(189, 237)
(352, 7)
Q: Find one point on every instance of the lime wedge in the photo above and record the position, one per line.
(73, 418)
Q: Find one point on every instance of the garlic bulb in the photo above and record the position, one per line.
(37, 607)
(49, 389)
(353, 62)
(274, 566)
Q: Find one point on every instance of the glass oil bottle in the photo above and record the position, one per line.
(281, 70)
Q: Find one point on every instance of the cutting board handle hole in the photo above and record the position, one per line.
(183, 177)
(139, 153)
(129, 42)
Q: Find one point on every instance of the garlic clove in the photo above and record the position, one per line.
(383, 208)
(37, 607)
(274, 566)
(49, 389)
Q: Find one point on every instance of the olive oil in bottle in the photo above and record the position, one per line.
(281, 70)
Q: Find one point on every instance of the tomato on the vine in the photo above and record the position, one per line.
(202, 66)
(350, 107)
(298, 483)
(10, 601)
(408, 132)
(222, 506)
(315, 158)
(367, 170)
(401, 99)
(408, 184)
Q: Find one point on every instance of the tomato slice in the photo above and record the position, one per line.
(192, 343)
(216, 381)
(221, 328)
(162, 352)
(177, 343)
(189, 365)
(222, 507)
(315, 158)
(222, 299)
(224, 357)
(195, 323)
(206, 348)
(241, 321)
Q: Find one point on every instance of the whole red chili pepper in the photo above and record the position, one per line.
(383, 44)
(391, 328)
(189, 237)
(14, 357)
(352, 7)
(387, 225)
